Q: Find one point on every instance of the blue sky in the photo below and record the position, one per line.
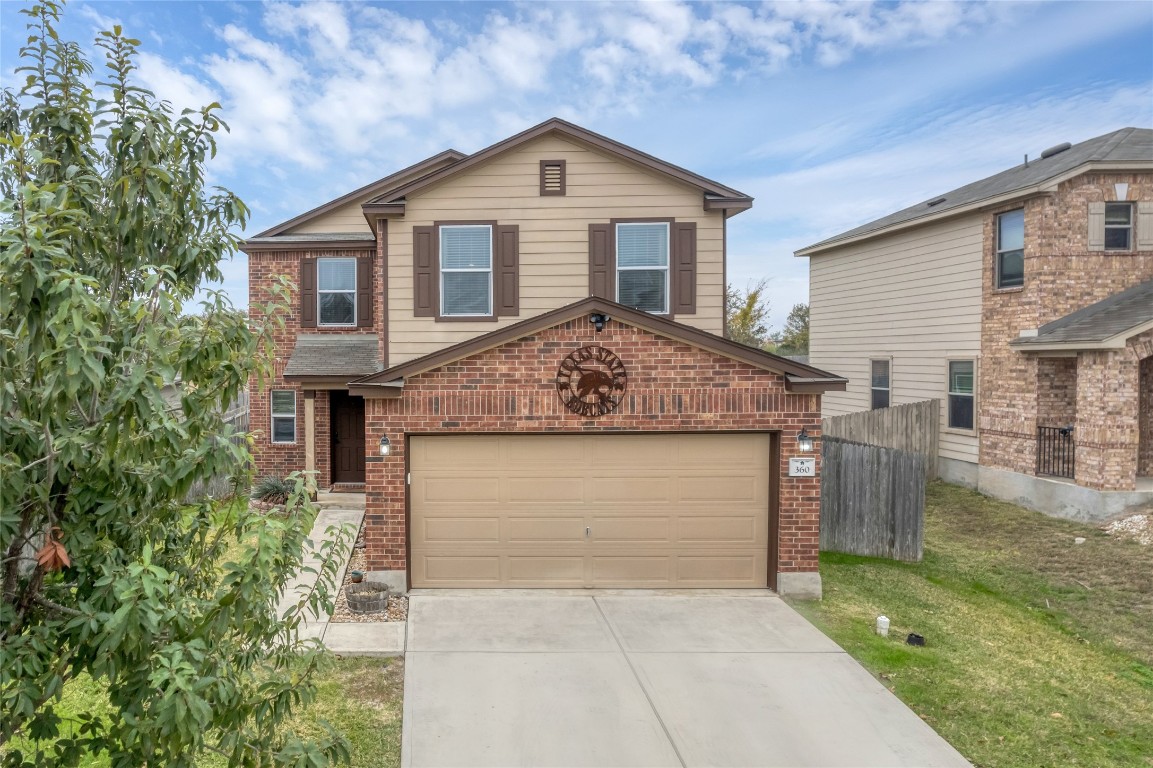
(828, 113)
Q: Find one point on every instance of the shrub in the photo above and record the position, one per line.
(272, 490)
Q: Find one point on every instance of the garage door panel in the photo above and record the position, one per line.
(712, 528)
(553, 490)
(630, 529)
(632, 490)
(631, 569)
(461, 529)
(545, 570)
(545, 529)
(661, 510)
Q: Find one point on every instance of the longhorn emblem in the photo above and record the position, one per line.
(591, 381)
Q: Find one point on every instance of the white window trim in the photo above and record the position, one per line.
(667, 267)
(320, 292)
(442, 271)
(273, 416)
(998, 250)
(888, 361)
(1131, 226)
(949, 393)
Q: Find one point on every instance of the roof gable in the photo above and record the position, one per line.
(718, 194)
(798, 376)
(1122, 149)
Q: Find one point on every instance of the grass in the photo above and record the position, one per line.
(1039, 650)
(361, 698)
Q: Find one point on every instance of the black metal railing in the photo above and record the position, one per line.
(1055, 451)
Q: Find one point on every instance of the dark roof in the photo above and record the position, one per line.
(798, 377)
(447, 156)
(346, 356)
(719, 195)
(1125, 146)
(1116, 317)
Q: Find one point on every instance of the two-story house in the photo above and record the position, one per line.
(1024, 302)
(518, 356)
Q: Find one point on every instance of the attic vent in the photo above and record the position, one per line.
(938, 201)
(1055, 150)
(552, 177)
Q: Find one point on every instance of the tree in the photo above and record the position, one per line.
(107, 227)
(794, 337)
(746, 314)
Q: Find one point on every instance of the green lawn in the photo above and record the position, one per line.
(1039, 650)
(361, 698)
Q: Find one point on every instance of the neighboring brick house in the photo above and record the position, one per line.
(518, 356)
(1023, 301)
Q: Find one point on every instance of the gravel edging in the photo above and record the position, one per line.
(397, 604)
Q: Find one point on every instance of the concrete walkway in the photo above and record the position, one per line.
(381, 638)
(623, 678)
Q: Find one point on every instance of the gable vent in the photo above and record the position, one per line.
(1055, 150)
(552, 177)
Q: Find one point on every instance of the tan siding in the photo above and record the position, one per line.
(913, 297)
(553, 235)
(346, 218)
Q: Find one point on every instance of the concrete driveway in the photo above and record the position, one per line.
(624, 678)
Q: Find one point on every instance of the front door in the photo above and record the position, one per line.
(347, 437)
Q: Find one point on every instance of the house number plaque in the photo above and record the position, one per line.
(591, 381)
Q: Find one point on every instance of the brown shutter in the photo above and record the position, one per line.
(506, 276)
(308, 293)
(1144, 223)
(684, 279)
(364, 292)
(602, 264)
(424, 272)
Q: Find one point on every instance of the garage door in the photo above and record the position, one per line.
(590, 510)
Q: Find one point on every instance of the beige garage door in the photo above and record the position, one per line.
(590, 510)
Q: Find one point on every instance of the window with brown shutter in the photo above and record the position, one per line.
(552, 177)
(495, 266)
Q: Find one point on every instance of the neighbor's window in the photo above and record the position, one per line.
(643, 266)
(961, 394)
(1011, 249)
(466, 270)
(1118, 226)
(283, 416)
(880, 384)
(336, 291)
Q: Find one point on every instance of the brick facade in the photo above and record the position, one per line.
(671, 387)
(1019, 391)
(264, 269)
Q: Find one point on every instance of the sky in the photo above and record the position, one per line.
(828, 113)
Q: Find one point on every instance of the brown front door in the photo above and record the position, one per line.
(347, 437)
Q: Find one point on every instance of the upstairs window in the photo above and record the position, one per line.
(643, 266)
(961, 394)
(466, 270)
(283, 416)
(1010, 249)
(879, 384)
(1118, 226)
(336, 291)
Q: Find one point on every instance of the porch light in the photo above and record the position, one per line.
(385, 446)
(804, 441)
(598, 320)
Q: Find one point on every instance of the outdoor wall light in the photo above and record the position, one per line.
(804, 441)
(385, 446)
(598, 320)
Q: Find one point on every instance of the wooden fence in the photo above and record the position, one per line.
(217, 486)
(872, 500)
(913, 427)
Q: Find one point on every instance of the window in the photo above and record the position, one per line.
(961, 394)
(1118, 226)
(1011, 249)
(466, 270)
(336, 291)
(283, 416)
(643, 266)
(879, 384)
(552, 177)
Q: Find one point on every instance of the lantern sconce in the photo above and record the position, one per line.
(804, 441)
(385, 446)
